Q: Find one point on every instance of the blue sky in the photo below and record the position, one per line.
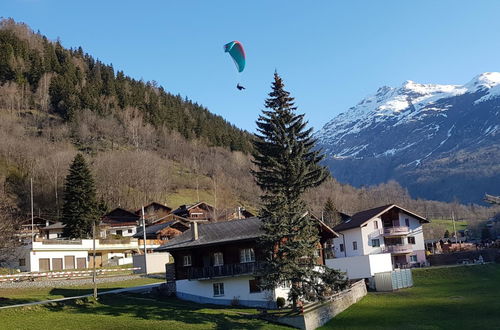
(330, 53)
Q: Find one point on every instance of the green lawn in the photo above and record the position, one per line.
(466, 297)
(131, 312)
(19, 296)
(437, 227)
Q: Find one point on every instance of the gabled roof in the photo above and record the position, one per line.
(120, 216)
(360, 218)
(187, 207)
(222, 232)
(155, 229)
(155, 205)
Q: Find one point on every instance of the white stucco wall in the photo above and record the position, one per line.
(233, 287)
(362, 266)
(351, 235)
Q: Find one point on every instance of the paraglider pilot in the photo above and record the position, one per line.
(240, 87)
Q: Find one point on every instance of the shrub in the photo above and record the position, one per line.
(280, 302)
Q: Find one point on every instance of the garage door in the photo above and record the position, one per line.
(57, 264)
(81, 263)
(44, 265)
(69, 262)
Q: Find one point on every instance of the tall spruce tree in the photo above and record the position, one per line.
(331, 215)
(80, 208)
(288, 165)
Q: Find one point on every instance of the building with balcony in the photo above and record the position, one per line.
(218, 263)
(385, 229)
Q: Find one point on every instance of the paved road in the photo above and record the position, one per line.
(141, 288)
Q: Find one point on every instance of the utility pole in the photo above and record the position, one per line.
(32, 216)
(144, 235)
(94, 273)
(454, 227)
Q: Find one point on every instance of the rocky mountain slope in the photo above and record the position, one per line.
(440, 141)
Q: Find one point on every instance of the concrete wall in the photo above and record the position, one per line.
(234, 287)
(156, 262)
(318, 314)
(362, 266)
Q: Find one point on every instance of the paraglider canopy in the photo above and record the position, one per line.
(235, 49)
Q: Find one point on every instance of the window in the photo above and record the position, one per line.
(407, 222)
(341, 247)
(119, 232)
(22, 262)
(411, 240)
(187, 260)
(354, 245)
(375, 224)
(413, 259)
(247, 255)
(254, 285)
(375, 242)
(218, 289)
(218, 259)
(129, 231)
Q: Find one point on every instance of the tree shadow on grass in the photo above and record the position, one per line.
(166, 309)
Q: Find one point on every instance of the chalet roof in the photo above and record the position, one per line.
(221, 232)
(155, 229)
(360, 218)
(183, 208)
(155, 205)
(57, 225)
(121, 216)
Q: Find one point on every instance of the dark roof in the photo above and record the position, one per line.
(155, 205)
(224, 232)
(215, 233)
(153, 230)
(361, 217)
(120, 215)
(183, 208)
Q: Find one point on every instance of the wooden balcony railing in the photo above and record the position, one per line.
(399, 248)
(223, 270)
(396, 231)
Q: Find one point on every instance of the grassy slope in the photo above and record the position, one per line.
(439, 227)
(132, 312)
(444, 298)
(19, 296)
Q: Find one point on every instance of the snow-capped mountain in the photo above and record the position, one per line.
(420, 135)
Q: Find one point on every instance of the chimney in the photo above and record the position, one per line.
(194, 230)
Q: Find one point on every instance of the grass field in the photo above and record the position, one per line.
(20, 296)
(437, 227)
(465, 297)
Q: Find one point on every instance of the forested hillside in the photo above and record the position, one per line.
(40, 74)
(142, 143)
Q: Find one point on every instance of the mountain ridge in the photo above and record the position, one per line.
(416, 130)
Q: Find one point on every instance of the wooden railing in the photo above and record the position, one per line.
(399, 230)
(223, 270)
(399, 248)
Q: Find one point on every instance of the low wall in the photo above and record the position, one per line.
(156, 262)
(489, 255)
(318, 314)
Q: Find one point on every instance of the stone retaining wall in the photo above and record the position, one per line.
(318, 314)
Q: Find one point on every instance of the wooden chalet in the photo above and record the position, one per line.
(217, 261)
(119, 222)
(197, 211)
(168, 227)
(154, 212)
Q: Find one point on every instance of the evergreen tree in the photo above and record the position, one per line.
(287, 166)
(446, 234)
(331, 215)
(80, 208)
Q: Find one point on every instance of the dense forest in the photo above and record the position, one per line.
(43, 75)
(142, 143)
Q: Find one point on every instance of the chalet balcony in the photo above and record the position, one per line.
(196, 273)
(398, 249)
(396, 231)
